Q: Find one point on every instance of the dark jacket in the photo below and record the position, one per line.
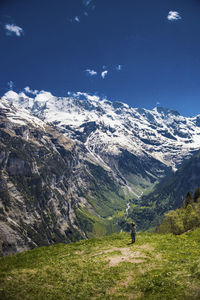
(133, 230)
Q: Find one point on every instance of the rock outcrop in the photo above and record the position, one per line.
(47, 182)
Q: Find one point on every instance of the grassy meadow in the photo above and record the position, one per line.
(157, 266)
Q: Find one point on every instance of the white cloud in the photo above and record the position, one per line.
(77, 19)
(13, 29)
(173, 16)
(104, 73)
(28, 90)
(119, 67)
(86, 13)
(91, 72)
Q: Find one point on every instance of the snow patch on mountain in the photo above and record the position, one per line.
(20, 116)
(107, 127)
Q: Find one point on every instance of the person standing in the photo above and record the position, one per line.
(133, 232)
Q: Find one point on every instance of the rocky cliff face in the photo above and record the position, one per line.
(47, 184)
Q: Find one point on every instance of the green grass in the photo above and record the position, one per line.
(157, 266)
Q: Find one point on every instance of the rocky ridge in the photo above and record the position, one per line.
(47, 184)
(106, 127)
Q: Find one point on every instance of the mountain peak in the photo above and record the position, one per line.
(161, 133)
(166, 111)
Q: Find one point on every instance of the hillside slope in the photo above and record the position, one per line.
(156, 267)
(185, 218)
(51, 190)
(167, 195)
(170, 193)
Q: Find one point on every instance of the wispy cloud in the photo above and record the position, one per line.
(173, 16)
(77, 19)
(119, 67)
(30, 91)
(91, 72)
(104, 73)
(74, 19)
(12, 29)
(10, 84)
(87, 2)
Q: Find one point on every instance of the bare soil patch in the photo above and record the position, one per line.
(127, 255)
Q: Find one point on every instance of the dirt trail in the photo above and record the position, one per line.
(129, 254)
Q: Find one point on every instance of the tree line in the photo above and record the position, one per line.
(185, 218)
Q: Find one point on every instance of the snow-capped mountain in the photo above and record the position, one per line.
(50, 190)
(66, 164)
(107, 127)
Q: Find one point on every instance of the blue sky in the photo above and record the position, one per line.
(141, 52)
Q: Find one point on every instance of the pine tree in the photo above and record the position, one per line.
(188, 200)
(196, 194)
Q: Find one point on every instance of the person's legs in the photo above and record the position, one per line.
(133, 238)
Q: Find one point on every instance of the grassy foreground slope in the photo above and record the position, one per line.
(158, 266)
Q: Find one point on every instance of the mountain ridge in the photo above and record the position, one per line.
(75, 163)
(161, 133)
